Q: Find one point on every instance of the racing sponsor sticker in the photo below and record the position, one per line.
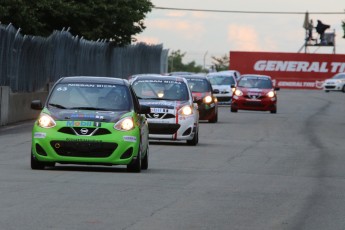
(79, 123)
(40, 135)
(130, 138)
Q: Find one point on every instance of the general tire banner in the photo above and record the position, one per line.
(289, 70)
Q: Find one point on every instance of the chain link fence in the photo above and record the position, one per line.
(29, 63)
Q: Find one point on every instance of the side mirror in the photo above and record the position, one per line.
(144, 109)
(216, 91)
(37, 105)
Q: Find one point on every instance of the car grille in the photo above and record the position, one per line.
(83, 148)
(160, 115)
(78, 131)
(329, 86)
(253, 104)
(163, 128)
(254, 96)
(223, 99)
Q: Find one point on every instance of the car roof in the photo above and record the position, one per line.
(225, 73)
(228, 71)
(196, 76)
(255, 75)
(160, 77)
(145, 74)
(93, 79)
(180, 73)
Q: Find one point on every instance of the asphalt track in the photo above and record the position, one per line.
(250, 171)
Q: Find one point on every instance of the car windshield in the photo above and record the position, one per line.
(221, 80)
(161, 89)
(255, 82)
(339, 76)
(91, 96)
(198, 85)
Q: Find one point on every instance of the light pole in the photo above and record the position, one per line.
(205, 60)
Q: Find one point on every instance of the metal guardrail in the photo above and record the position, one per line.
(29, 63)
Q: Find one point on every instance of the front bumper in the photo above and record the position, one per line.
(181, 128)
(264, 104)
(110, 148)
(207, 111)
(333, 87)
(224, 98)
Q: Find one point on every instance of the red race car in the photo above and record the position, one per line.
(254, 92)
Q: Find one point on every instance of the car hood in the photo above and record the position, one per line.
(166, 104)
(223, 89)
(85, 115)
(333, 81)
(255, 91)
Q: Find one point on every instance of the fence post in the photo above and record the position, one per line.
(4, 104)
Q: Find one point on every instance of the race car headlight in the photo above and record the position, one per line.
(270, 94)
(46, 121)
(186, 110)
(125, 124)
(208, 99)
(238, 92)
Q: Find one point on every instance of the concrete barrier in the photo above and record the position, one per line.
(15, 107)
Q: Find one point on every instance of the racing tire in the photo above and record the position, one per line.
(135, 165)
(145, 160)
(36, 164)
(233, 110)
(327, 91)
(343, 89)
(195, 139)
(273, 111)
(214, 119)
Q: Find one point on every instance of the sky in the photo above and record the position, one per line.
(202, 35)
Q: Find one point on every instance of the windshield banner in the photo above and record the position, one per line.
(289, 70)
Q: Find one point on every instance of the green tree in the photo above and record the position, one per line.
(114, 20)
(221, 63)
(176, 63)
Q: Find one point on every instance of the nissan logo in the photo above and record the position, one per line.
(84, 131)
(156, 115)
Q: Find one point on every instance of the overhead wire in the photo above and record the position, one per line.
(241, 11)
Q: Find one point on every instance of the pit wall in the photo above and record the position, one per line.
(15, 107)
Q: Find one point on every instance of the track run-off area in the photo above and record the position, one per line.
(250, 171)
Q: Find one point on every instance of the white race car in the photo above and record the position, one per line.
(336, 83)
(221, 84)
(173, 115)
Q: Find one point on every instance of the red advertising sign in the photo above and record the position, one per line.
(289, 70)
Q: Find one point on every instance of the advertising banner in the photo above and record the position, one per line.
(289, 70)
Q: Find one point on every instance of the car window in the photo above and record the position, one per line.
(339, 76)
(95, 96)
(221, 80)
(255, 82)
(161, 89)
(198, 85)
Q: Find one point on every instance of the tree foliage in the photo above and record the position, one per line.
(221, 63)
(115, 20)
(176, 63)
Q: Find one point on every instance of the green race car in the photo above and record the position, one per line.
(90, 120)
